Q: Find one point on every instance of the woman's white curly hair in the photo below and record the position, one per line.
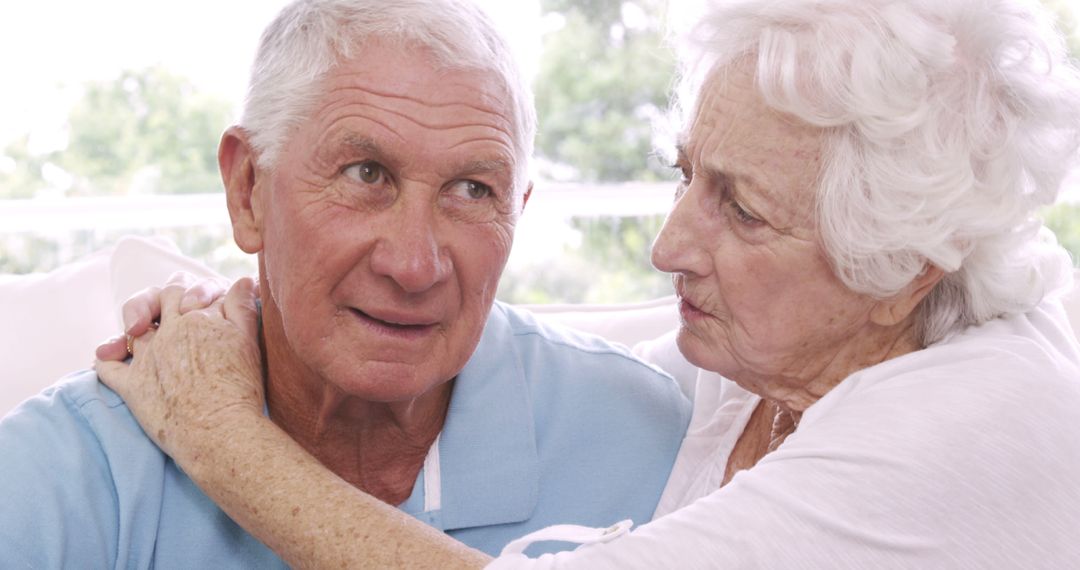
(948, 123)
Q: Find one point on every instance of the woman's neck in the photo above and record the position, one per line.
(794, 391)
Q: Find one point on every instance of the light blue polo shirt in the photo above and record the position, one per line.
(545, 426)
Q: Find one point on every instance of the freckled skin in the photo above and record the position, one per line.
(770, 314)
(413, 246)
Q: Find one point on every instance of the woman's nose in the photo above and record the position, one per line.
(678, 247)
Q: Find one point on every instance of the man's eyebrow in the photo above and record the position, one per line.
(362, 143)
(497, 165)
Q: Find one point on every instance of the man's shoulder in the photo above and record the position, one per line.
(71, 399)
(67, 451)
(571, 373)
(593, 358)
(77, 423)
(83, 482)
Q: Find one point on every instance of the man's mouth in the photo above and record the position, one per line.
(401, 324)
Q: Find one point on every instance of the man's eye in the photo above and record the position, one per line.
(472, 190)
(368, 172)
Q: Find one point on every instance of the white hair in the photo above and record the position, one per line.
(947, 124)
(310, 37)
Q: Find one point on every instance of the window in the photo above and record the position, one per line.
(113, 130)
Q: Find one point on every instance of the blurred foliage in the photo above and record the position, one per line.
(609, 265)
(1067, 14)
(147, 131)
(38, 253)
(1064, 221)
(148, 128)
(604, 76)
(23, 179)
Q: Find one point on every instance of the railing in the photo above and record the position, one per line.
(56, 215)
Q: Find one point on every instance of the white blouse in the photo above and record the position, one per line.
(964, 454)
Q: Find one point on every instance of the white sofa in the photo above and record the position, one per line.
(53, 321)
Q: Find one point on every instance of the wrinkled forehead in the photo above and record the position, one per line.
(735, 79)
(773, 156)
(444, 75)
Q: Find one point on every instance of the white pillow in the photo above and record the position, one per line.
(624, 323)
(53, 321)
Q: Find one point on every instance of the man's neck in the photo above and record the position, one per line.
(378, 447)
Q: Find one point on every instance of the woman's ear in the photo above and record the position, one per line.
(239, 172)
(895, 309)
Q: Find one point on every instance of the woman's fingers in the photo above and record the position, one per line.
(113, 371)
(202, 294)
(141, 310)
(183, 292)
(114, 348)
(240, 306)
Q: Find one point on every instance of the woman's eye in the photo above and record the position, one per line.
(368, 172)
(743, 215)
(685, 175)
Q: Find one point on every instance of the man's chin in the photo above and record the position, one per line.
(389, 381)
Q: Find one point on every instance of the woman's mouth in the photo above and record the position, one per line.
(690, 312)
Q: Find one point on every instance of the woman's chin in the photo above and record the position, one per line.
(701, 353)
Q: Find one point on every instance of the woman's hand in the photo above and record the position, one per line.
(143, 309)
(195, 373)
(195, 384)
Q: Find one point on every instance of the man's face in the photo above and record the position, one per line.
(387, 221)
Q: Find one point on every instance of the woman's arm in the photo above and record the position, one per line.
(195, 385)
(311, 517)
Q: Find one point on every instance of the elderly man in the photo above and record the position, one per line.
(378, 172)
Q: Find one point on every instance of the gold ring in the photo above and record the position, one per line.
(130, 345)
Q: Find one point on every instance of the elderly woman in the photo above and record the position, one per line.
(886, 379)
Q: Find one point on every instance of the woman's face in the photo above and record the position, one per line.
(758, 300)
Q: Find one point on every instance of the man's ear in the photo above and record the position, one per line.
(895, 309)
(243, 193)
(525, 199)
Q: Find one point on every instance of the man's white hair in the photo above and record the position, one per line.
(947, 124)
(309, 37)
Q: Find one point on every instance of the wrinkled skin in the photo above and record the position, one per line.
(218, 375)
(382, 230)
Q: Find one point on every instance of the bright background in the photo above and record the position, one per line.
(73, 178)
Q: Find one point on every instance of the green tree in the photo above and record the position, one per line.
(1068, 21)
(603, 77)
(1064, 221)
(149, 128)
(145, 131)
(21, 176)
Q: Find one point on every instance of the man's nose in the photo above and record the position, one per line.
(410, 252)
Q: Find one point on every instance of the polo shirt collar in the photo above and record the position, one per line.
(487, 450)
